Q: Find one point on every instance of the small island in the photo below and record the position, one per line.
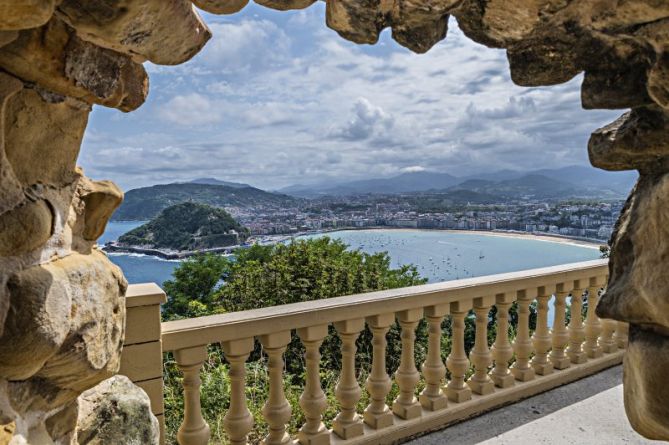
(182, 230)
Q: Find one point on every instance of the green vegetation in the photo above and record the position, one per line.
(303, 270)
(187, 226)
(147, 202)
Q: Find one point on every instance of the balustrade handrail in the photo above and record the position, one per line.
(192, 332)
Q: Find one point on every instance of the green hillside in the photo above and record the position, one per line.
(187, 226)
(147, 202)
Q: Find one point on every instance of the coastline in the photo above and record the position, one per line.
(551, 238)
(273, 239)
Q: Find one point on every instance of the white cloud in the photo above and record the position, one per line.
(191, 109)
(413, 169)
(367, 120)
(277, 98)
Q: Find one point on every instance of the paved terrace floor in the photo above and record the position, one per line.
(589, 411)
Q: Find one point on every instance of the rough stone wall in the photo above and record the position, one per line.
(61, 301)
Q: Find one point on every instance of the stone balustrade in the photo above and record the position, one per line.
(577, 345)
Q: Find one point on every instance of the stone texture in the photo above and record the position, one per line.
(69, 311)
(221, 6)
(645, 368)
(166, 32)
(6, 433)
(56, 59)
(25, 228)
(47, 153)
(100, 198)
(636, 140)
(23, 14)
(116, 412)
(637, 287)
(285, 5)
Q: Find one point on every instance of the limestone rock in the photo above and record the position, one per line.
(359, 21)
(10, 187)
(221, 6)
(285, 5)
(6, 433)
(7, 37)
(23, 14)
(644, 367)
(636, 140)
(25, 228)
(101, 198)
(166, 32)
(658, 81)
(55, 58)
(116, 412)
(43, 135)
(637, 288)
(64, 330)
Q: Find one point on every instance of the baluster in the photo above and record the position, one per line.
(501, 350)
(193, 430)
(238, 421)
(378, 384)
(276, 410)
(406, 405)
(607, 342)
(542, 337)
(620, 336)
(576, 327)
(593, 327)
(348, 424)
(480, 356)
(457, 361)
(522, 346)
(433, 398)
(560, 334)
(313, 401)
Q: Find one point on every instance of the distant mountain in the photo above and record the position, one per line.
(577, 181)
(147, 202)
(404, 183)
(214, 181)
(187, 226)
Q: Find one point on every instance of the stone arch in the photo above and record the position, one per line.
(58, 58)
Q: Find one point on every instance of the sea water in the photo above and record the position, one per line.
(438, 255)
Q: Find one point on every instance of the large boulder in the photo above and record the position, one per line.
(116, 412)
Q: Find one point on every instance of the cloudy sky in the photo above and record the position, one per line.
(276, 99)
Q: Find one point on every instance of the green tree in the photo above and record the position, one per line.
(192, 291)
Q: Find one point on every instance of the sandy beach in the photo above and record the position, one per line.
(543, 237)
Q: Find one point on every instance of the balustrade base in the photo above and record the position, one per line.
(578, 358)
(433, 403)
(503, 381)
(348, 430)
(403, 430)
(595, 353)
(459, 395)
(407, 412)
(378, 421)
(608, 349)
(482, 388)
(285, 440)
(543, 368)
(320, 438)
(523, 375)
(561, 363)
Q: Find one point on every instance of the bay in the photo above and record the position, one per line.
(439, 255)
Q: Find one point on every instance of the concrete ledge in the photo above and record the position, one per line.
(403, 430)
(145, 294)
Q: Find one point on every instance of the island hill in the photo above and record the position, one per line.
(182, 230)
